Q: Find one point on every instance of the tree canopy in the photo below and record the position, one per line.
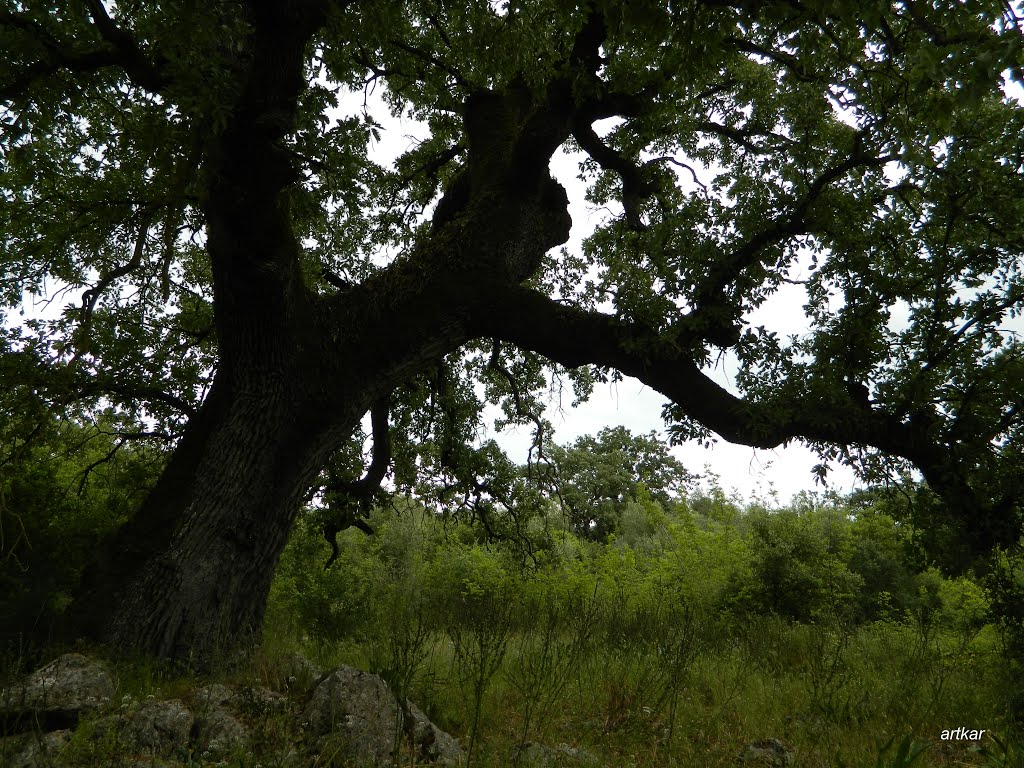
(242, 283)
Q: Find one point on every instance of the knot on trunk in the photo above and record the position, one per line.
(543, 222)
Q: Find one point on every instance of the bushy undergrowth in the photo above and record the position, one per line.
(654, 629)
(693, 632)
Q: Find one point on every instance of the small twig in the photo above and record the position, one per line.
(91, 296)
(495, 364)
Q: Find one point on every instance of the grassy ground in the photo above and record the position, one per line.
(835, 697)
(665, 650)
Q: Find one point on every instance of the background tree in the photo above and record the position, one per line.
(244, 278)
(598, 476)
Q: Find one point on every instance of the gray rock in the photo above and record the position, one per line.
(159, 726)
(768, 753)
(532, 754)
(69, 686)
(219, 732)
(430, 742)
(257, 700)
(212, 695)
(34, 750)
(356, 713)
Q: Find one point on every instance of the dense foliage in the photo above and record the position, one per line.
(694, 624)
(673, 642)
(207, 284)
(232, 278)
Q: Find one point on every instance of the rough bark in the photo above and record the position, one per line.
(188, 579)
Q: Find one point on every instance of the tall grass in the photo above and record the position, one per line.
(669, 653)
(664, 689)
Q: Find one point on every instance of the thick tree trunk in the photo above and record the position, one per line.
(188, 577)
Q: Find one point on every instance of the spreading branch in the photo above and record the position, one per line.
(495, 364)
(574, 337)
(335, 279)
(433, 60)
(635, 189)
(91, 296)
(137, 393)
(794, 64)
(119, 49)
(745, 136)
(130, 56)
(710, 296)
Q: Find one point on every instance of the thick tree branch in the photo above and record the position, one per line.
(586, 46)
(595, 103)
(335, 279)
(120, 50)
(635, 189)
(139, 68)
(251, 242)
(744, 137)
(574, 337)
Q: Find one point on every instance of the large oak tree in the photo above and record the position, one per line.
(246, 284)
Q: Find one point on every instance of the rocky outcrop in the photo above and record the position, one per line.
(430, 742)
(35, 750)
(159, 727)
(356, 714)
(218, 731)
(56, 695)
(349, 713)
